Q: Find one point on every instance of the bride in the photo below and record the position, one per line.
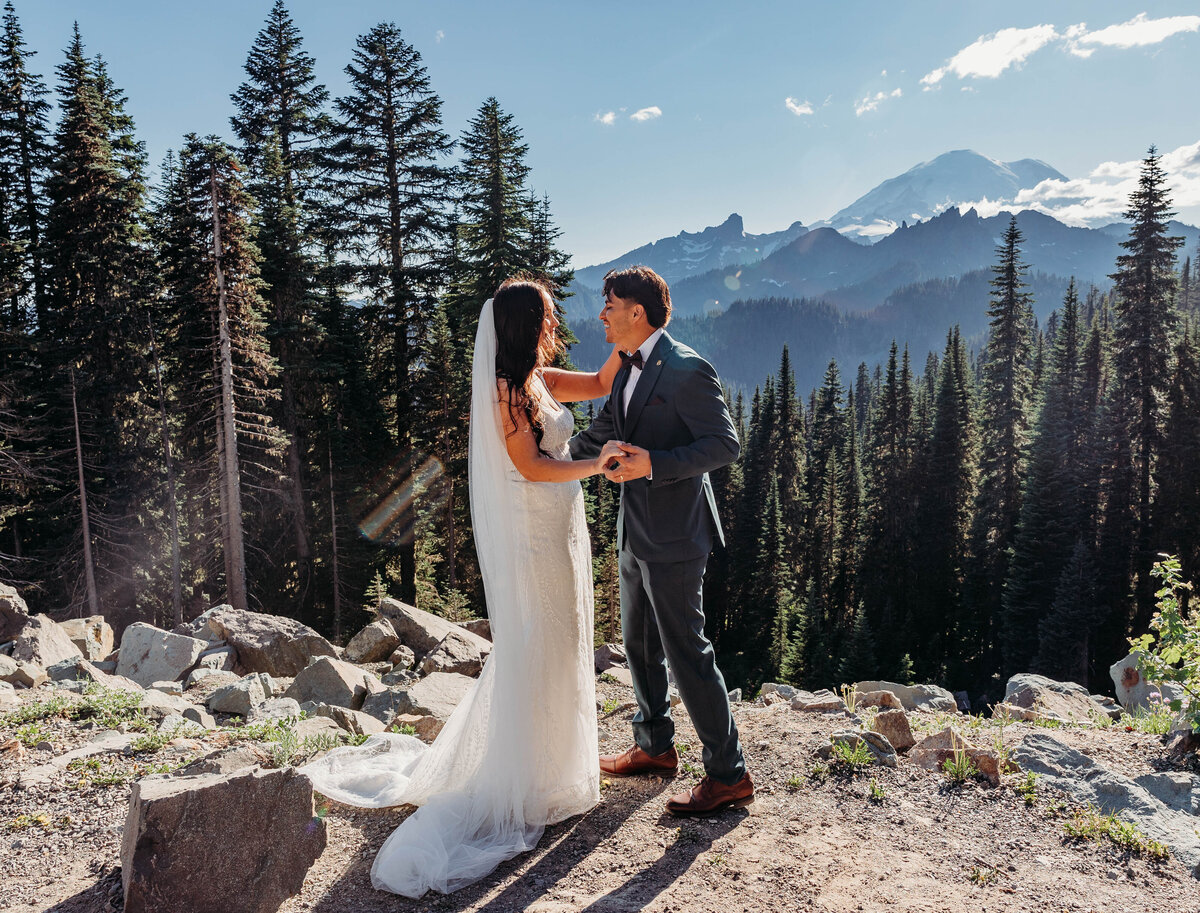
(520, 751)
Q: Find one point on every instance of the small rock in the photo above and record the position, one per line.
(478, 626)
(335, 682)
(880, 748)
(386, 705)
(200, 716)
(402, 658)
(894, 726)
(735, 695)
(353, 721)
(400, 677)
(157, 706)
(609, 655)
(819, 701)
(884, 699)
(373, 643)
(276, 708)
(218, 659)
(424, 727)
(149, 654)
(92, 636)
(238, 699)
(787, 692)
(23, 674)
(622, 675)
(454, 653)
(167, 687)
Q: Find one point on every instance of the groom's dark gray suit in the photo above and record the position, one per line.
(665, 530)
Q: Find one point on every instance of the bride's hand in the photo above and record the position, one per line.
(610, 451)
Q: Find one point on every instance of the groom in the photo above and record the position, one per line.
(666, 404)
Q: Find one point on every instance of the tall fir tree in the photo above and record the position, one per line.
(1177, 471)
(281, 126)
(951, 642)
(1056, 516)
(394, 192)
(1004, 429)
(1145, 286)
(24, 159)
(91, 344)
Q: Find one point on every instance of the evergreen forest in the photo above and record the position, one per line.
(247, 381)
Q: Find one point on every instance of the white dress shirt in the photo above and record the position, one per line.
(635, 373)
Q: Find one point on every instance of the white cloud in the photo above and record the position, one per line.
(439, 36)
(608, 118)
(1103, 195)
(991, 55)
(799, 108)
(1137, 32)
(646, 113)
(871, 102)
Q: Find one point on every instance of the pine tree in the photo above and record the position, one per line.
(24, 159)
(221, 374)
(1004, 424)
(1177, 471)
(394, 192)
(281, 127)
(1065, 631)
(1055, 512)
(495, 221)
(91, 343)
(950, 640)
(886, 586)
(1144, 334)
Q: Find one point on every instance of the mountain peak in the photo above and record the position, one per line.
(960, 176)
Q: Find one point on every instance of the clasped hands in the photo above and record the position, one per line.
(623, 462)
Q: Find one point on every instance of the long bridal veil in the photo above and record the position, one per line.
(513, 756)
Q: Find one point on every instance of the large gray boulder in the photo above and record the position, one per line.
(1045, 698)
(437, 694)
(268, 643)
(42, 642)
(13, 613)
(1134, 690)
(454, 653)
(1087, 782)
(92, 636)
(149, 654)
(914, 697)
(422, 631)
(333, 681)
(215, 842)
(373, 643)
(240, 698)
(21, 673)
(80, 670)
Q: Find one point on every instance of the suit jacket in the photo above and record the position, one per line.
(678, 414)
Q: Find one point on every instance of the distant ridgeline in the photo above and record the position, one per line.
(988, 463)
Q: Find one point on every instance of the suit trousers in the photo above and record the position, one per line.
(662, 622)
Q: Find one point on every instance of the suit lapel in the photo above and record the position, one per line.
(645, 385)
(617, 400)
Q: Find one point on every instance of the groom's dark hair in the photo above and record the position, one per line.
(646, 287)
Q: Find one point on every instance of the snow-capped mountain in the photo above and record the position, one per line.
(694, 253)
(932, 187)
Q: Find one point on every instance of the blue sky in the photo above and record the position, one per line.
(647, 118)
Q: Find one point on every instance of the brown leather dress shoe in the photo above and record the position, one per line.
(710, 796)
(633, 761)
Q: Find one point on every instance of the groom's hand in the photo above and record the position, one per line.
(633, 463)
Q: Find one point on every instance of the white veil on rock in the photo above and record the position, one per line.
(475, 784)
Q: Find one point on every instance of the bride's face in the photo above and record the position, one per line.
(549, 339)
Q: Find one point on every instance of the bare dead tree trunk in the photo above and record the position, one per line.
(88, 566)
(231, 493)
(333, 535)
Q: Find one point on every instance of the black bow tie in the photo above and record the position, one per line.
(631, 361)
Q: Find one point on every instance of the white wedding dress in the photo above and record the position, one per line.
(520, 751)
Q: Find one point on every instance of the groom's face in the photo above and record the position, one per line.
(621, 318)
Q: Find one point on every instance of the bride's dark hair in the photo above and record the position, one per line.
(519, 310)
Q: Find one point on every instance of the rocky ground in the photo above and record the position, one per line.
(820, 836)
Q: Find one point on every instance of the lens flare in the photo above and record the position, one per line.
(392, 515)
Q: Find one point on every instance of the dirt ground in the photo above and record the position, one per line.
(818, 843)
